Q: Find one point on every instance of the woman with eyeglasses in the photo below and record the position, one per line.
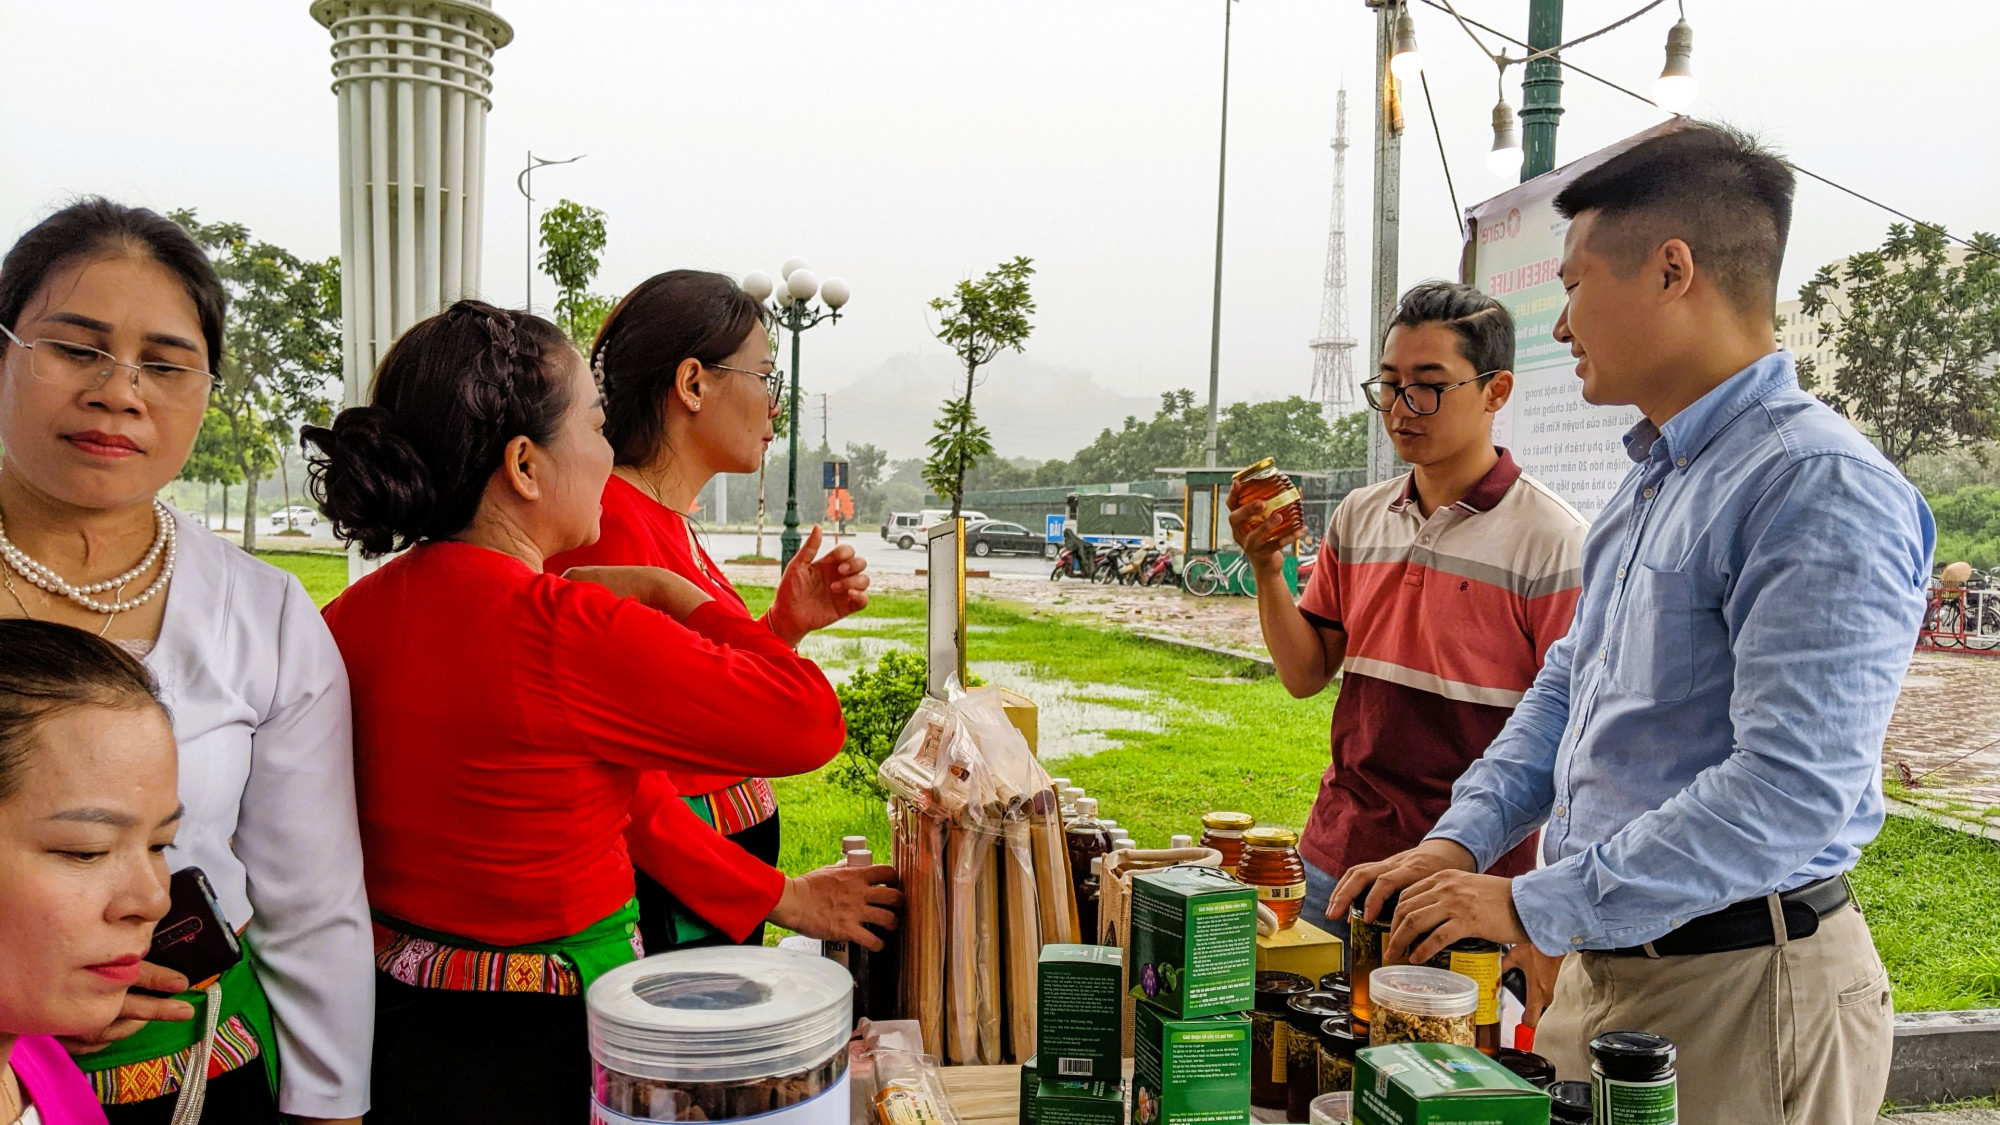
(111, 325)
(504, 715)
(689, 393)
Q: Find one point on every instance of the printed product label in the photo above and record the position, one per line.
(829, 1108)
(1484, 969)
(1281, 1050)
(1634, 1103)
(1282, 894)
(1277, 503)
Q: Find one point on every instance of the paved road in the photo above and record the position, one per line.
(884, 558)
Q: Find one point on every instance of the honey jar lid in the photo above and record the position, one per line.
(1229, 821)
(1271, 836)
(1266, 463)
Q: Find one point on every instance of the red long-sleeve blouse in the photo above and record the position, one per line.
(636, 530)
(502, 721)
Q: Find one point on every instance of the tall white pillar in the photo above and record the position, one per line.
(414, 81)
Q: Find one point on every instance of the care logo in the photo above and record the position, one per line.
(1499, 230)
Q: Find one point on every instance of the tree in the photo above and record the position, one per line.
(1916, 333)
(212, 461)
(281, 349)
(1292, 430)
(1350, 440)
(978, 320)
(572, 238)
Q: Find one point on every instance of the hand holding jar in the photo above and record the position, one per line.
(1265, 515)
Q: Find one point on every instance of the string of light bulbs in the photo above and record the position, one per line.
(1673, 91)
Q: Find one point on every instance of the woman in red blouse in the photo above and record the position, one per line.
(503, 716)
(690, 392)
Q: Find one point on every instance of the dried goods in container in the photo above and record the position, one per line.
(1419, 1004)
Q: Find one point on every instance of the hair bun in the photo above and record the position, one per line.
(369, 480)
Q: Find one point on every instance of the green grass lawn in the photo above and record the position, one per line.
(324, 573)
(1226, 741)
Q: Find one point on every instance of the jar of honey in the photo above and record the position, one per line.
(1224, 831)
(1271, 863)
(1365, 941)
(1263, 482)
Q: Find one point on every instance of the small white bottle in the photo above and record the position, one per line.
(1182, 842)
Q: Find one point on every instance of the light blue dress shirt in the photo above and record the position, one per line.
(1711, 728)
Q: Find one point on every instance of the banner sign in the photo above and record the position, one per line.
(1514, 245)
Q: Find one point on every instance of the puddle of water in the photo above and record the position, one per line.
(1071, 717)
(840, 657)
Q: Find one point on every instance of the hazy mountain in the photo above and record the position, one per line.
(1034, 408)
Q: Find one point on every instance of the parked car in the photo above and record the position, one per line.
(298, 516)
(907, 529)
(996, 538)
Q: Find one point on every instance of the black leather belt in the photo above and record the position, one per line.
(1747, 924)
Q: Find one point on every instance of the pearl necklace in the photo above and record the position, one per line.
(41, 575)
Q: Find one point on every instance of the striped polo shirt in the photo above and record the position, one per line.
(1447, 621)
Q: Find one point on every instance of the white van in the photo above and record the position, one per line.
(905, 529)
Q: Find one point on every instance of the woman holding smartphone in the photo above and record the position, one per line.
(111, 329)
(690, 392)
(88, 808)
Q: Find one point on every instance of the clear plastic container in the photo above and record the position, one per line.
(1419, 1004)
(1332, 1109)
(719, 1034)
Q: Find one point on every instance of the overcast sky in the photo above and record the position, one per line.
(905, 145)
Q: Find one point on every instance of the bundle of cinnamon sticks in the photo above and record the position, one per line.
(985, 872)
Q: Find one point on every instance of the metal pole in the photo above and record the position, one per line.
(1215, 321)
(1541, 90)
(788, 543)
(1383, 276)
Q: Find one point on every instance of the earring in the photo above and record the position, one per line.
(695, 405)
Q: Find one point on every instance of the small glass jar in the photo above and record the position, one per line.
(1280, 497)
(1337, 1043)
(1632, 1079)
(1365, 942)
(1569, 1103)
(1308, 1013)
(1419, 1004)
(1270, 1052)
(1271, 863)
(1224, 831)
(1529, 1067)
(1479, 959)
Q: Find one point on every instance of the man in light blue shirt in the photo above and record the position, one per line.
(1705, 745)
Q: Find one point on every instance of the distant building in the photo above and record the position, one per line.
(1799, 333)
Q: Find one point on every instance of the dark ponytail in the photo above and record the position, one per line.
(669, 317)
(412, 466)
(98, 226)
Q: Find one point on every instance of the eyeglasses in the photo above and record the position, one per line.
(84, 368)
(774, 381)
(1421, 398)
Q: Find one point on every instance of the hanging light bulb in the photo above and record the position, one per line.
(1505, 159)
(1407, 63)
(1676, 88)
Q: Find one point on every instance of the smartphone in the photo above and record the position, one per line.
(193, 939)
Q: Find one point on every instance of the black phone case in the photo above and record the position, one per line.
(194, 939)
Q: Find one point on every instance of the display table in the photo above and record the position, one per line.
(991, 1095)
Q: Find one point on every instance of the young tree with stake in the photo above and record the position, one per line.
(978, 320)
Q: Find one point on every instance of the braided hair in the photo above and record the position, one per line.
(412, 466)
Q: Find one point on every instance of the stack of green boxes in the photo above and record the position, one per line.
(1194, 954)
(1441, 1084)
(1076, 1076)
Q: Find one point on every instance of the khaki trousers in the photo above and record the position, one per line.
(1794, 1034)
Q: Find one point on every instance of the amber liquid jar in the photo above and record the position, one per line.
(1365, 942)
(1224, 831)
(1270, 1047)
(1271, 864)
(1263, 482)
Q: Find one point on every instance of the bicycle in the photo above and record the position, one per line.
(1202, 575)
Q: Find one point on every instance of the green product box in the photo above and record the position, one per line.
(1058, 1102)
(1031, 1080)
(1190, 1071)
(1194, 941)
(1439, 1084)
(1078, 1009)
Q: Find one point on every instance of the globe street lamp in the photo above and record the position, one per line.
(794, 311)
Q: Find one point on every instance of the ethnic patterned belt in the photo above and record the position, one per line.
(742, 806)
(235, 1046)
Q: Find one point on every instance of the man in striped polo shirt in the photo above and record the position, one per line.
(1440, 591)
